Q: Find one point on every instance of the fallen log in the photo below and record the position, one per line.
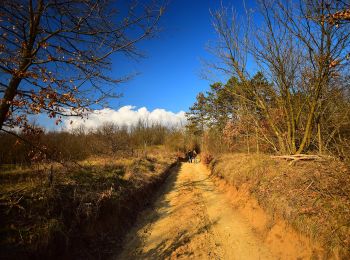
(299, 157)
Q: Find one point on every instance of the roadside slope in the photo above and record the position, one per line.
(300, 202)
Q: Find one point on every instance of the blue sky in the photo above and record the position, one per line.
(169, 78)
(170, 75)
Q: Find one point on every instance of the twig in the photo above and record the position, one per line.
(307, 187)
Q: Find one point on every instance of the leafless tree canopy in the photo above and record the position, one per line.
(55, 55)
(298, 100)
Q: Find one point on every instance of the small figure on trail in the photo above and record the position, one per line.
(194, 156)
(189, 156)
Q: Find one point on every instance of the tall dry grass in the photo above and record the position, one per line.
(84, 212)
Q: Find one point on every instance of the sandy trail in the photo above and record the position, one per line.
(192, 219)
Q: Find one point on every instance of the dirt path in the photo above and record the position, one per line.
(192, 219)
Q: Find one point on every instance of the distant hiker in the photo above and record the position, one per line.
(194, 156)
(189, 156)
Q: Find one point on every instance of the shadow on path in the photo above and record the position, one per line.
(173, 220)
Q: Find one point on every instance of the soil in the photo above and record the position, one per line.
(192, 218)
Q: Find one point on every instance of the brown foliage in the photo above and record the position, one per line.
(37, 146)
(206, 158)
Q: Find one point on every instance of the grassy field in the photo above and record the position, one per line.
(78, 211)
(313, 197)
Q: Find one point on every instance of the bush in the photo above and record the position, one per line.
(206, 158)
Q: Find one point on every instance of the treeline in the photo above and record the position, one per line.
(80, 143)
(299, 102)
(227, 119)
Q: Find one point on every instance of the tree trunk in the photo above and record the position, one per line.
(9, 95)
(305, 141)
(257, 140)
(248, 146)
(282, 147)
(11, 90)
(319, 137)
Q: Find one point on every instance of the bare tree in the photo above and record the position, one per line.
(233, 49)
(55, 55)
(324, 46)
(303, 57)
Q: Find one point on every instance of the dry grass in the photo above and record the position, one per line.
(314, 197)
(86, 208)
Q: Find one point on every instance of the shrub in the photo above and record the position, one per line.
(206, 158)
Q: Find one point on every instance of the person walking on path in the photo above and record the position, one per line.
(194, 156)
(189, 156)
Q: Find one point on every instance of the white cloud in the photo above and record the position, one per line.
(127, 116)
